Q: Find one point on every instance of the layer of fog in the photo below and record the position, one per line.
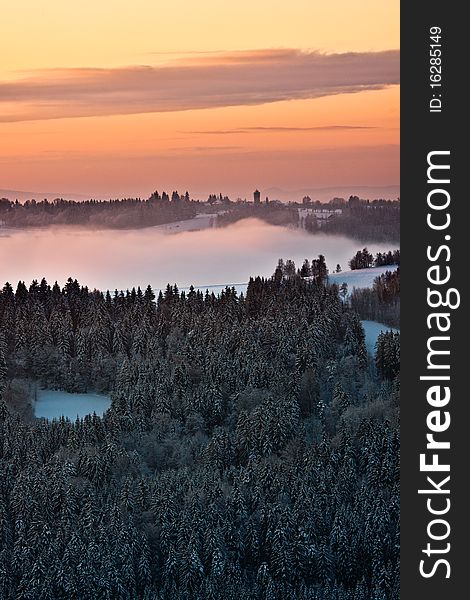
(121, 259)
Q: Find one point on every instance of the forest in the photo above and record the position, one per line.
(251, 450)
(363, 259)
(114, 214)
(377, 220)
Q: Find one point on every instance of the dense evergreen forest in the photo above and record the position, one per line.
(377, 221)
(126, 213)
(251, 451)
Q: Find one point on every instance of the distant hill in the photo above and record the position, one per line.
(390, 192)
(23, 196)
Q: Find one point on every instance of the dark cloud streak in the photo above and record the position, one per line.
(235, 79)
(280, 129)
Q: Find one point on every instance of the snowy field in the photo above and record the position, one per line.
(360, 278)
(372, 329)
(54, 404)
(202, 221)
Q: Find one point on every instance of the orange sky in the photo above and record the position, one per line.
(117, 98)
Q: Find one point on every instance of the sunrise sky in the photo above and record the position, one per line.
(120, 97)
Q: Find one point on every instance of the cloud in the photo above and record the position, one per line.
(199, 149)
(279, 129)
(226, 79)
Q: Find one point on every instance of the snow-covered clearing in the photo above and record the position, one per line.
(52, 404)
(360, 278)
(372, 329)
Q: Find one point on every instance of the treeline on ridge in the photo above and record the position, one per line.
(363, 259)
(125, 213)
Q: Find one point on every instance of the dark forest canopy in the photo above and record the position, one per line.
(367, 220)
(363, 259)
(250, 452)
(125, 213)
(377, 220)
